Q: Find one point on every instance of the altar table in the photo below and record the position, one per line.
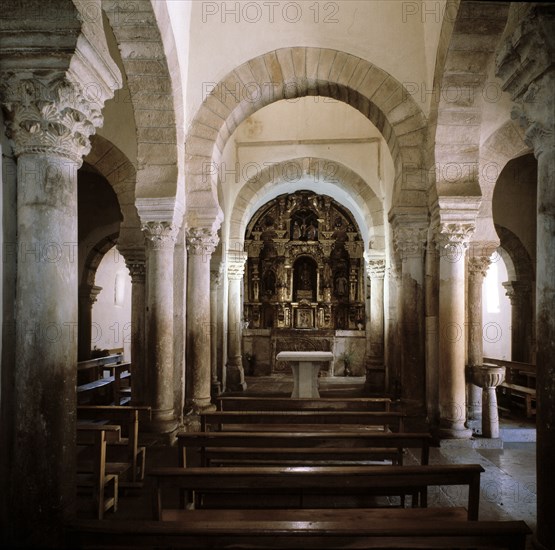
(305, 366)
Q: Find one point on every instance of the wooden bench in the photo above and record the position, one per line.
(303, 404)
(90, 370)
(520, 382)
(303, 482)
(283, 420)
(94, 471)
(128, 417)
(528, 394)
(210, 448)
(346, 529)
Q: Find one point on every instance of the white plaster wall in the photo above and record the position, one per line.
(313, 127)
(381, 31)
(496, 326)
(111, 323)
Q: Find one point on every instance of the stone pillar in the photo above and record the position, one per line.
(139, 375)
(50, 122)
(525, 66)
(519, 294)
(375, 368)
(477, 269)
(160, 238)
(452, 240)
(201, 243)
(87, 298)
(410, 234)
(215, 282)
(234, 367)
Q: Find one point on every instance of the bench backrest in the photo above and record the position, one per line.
(299, 440)
(345, 480)
(303, 404)
(387, 420)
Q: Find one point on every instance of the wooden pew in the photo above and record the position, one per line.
(276, 420)
(520, 382)
(300, 482)
(208, 448)
(345, 529)
(94, 472)
(128, 417)
(303, 404)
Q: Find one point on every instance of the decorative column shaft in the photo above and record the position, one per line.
(201, 243)
(235, 372)
(87, 297)
(215, 283)
(376, 271)
(477, 269)
(525, 66)
(139, 375)
(521, 319)
(410, 234)
(452, 240)
(49, 122)
(160, 237)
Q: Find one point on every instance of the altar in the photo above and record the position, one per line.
(305, 366)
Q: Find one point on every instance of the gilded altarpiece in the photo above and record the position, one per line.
(304, 280)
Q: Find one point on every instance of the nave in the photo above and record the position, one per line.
(507, 484)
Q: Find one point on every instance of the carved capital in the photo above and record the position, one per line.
(49, 116)
(478, 267)
(137, 270)
(90, 294)
(409, 241)
(215, 278)
(517, 291)
(201, 241)
(454, 234)
(160, 235)
(375, 268)
(236, 265)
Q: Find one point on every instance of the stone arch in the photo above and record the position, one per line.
(297, 72)
(520, 267)
(149, 56)
(457, 97)
(94, 257)
(256, 188)
(119, 172)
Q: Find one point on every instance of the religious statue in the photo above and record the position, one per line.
(304, 278)
(341, 285)
(296, 231)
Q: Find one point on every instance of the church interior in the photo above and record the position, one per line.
(191, 188)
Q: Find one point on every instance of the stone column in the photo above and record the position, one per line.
(452, 240)
(215, 282)
(160, 238)
(525, 66)
(201, 243)
(87, 298)
(235, 270)
(519, 294)
(477, 269)
(375, 369)
(50, 122)
(410, 234)
(139, 378)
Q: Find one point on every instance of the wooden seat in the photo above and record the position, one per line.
(282, 420)
(205, 448)
(320, 480)
(128, 418)
(96, 474)
(303, 404)
(348, 529)
(528, 394)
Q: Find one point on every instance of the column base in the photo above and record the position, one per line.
(200, 405)
(375, 376)
(215, 388)
(163, 422)
(454, 432)
(235, 378)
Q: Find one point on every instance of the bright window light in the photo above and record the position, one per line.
(491, 288)
(119, 288)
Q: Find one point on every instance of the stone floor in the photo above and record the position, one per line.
(508, 488)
